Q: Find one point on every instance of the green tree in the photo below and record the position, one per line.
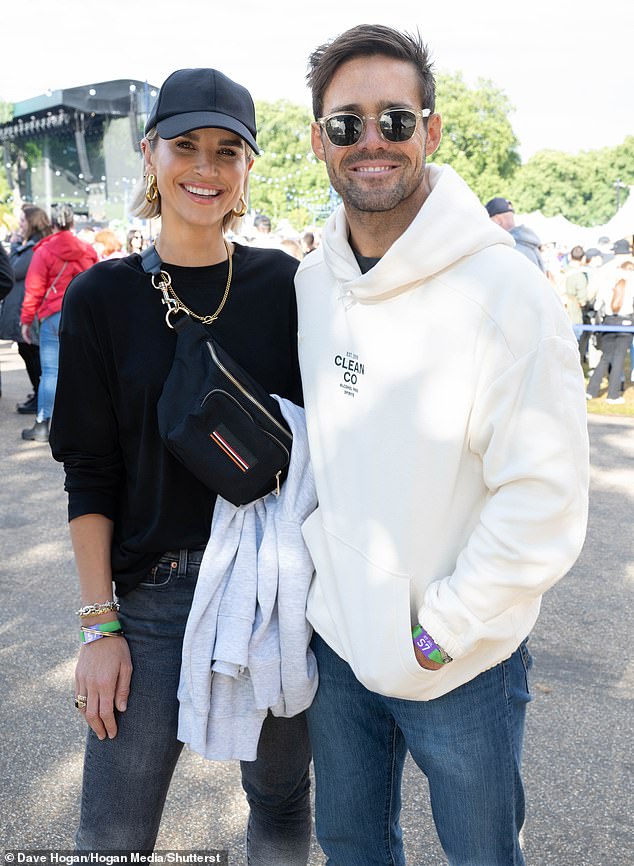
(478, 139)
(550, 182)
(6, 111)
(6, 114)
(287, 180)
(581, 187)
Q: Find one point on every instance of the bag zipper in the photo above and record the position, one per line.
(242, 409)
(244, 391)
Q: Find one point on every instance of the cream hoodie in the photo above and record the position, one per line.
(447, 428)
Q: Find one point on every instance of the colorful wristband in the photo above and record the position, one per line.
(428, 646)
(90, 633)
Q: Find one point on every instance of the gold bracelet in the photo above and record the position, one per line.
(86, 629)
(97, 609)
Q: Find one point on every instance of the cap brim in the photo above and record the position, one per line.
(179, 124)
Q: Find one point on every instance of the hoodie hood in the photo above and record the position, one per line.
(450, 225)
(67, 246)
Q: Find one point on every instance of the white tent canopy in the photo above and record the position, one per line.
(561, 231)
(622, 223)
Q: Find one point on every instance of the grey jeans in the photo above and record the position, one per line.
(126, 779)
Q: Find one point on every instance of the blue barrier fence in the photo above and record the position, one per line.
(608, 329)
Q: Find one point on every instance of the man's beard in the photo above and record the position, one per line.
(379, 200)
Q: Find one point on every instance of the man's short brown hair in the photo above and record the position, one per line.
(369, 40)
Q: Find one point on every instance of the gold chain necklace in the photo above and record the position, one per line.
(206, 320)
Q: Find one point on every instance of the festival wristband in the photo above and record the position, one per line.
(90, 633)
(428, 646)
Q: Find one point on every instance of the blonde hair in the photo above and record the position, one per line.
(145, 209)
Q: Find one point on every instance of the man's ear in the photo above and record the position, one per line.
(316, 141)
(434, 134)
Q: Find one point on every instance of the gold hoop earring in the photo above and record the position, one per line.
(151, 189)
(243, 209)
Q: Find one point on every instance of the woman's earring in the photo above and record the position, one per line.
(243, 209)
(151, 189)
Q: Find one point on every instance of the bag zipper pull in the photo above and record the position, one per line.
(276, 492)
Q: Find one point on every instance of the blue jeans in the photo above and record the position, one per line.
(49, 359)
(126, 779)
(468, 744)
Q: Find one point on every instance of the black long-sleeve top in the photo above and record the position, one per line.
(116, 351)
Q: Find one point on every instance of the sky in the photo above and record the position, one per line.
(566, 66)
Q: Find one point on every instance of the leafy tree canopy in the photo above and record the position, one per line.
(478, 139)
(580, 187)
(6, 114)
(287, 180)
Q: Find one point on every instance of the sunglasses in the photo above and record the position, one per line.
(344, 128)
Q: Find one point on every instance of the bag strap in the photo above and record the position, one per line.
(152, 265)
(151, 261)
(51, 287)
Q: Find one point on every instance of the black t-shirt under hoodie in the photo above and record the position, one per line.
(116, 351)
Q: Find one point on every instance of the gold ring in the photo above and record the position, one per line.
(81, 701)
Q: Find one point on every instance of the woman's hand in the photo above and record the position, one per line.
(104, 668)
(103, 675)
(26, 336)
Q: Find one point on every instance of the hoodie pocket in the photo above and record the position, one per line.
(362, 610)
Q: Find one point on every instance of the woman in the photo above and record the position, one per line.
(6, 282)
(57, 258)
(135, 241)
(108, 245)
(34, 225)
(137, 516)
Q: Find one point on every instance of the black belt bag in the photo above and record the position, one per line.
(213, 416)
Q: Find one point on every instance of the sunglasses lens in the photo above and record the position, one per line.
(344, 129)
(398, 124)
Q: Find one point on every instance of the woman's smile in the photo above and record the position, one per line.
(197, 191)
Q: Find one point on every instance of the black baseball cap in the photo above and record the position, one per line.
(499, 205)
(200, 99)
(621, 247)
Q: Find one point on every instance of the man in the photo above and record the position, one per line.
(446, 420)
(577, 294)
(606, 248)
(264, 237)
(526, 241)
(308, 243)
(619, 312)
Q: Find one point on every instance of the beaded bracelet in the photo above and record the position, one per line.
(97, 609)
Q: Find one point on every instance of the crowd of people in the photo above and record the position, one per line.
(596, 287)
(42, 256)
(436, 386)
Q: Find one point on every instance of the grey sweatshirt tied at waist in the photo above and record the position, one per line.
(246, 644)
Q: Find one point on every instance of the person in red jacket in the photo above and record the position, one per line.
(56, 260)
